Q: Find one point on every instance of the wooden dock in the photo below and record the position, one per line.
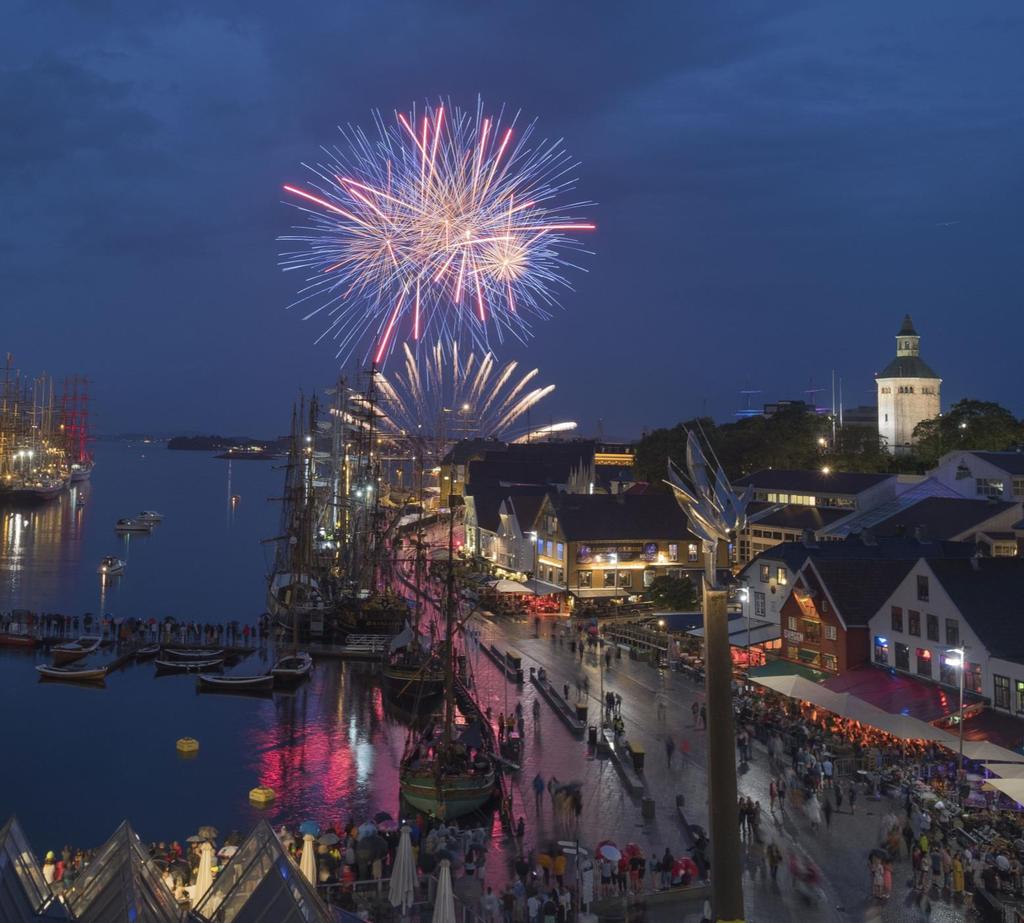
(565, 710)
(356, 647)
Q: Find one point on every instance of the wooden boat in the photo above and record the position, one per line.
(258, 682)
(71, 651)
(291, 669)
(188, 666)
(193, 653)
(72, 673)
(145, 653)
(15, 639)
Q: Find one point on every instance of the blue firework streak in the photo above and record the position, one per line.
(440, 225)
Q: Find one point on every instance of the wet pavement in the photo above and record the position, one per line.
(610, 812)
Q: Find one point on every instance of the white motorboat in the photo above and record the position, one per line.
(73, 673)
(111, 567)
(150, 516)
(133, 525)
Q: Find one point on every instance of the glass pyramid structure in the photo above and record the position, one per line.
(261, 884)
(23, 890)
(122, 885)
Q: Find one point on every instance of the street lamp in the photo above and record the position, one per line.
(744, 595)
(960, 660)
(613, 558)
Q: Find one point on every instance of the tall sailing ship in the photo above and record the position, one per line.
(451, 769)
(43, 443)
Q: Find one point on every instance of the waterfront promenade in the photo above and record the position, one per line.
(610, 812)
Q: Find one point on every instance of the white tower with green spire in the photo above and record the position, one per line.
(908, 392)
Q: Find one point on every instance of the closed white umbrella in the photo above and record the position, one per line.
(444, 900)
(402, 891)
(204, 874)
(308, 864)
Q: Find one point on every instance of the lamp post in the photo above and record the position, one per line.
(613, 558)
(745, 599)
(961, 654)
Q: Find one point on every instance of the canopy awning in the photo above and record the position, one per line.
(543, 588)
(507, 586)
(986, 750)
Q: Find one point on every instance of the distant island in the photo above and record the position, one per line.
(214, 443)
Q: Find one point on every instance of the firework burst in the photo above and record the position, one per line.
(445, 395)
(441, 226)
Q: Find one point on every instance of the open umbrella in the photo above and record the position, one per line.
(444, 900)
(608, 850)
(388, 826)
(329, 839)
(382, 816)
(195, 838)
(204, 874)
(208, 833)
(365, 830)
(309, 826)
(402, 890)
(308, 864)
(226, 852)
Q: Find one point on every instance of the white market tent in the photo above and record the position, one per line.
(990, 752)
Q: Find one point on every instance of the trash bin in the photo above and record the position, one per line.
(519, 676)
(592, 735)
(637, 754)
(581, 712)
(647, 808)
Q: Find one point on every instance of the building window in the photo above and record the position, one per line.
(988, 487)
(830, 633)
(914, 623)
(922, 588)
(1001, 691)
(540, 546)
(1020, 697)
(649, 575)
(609, 580)
(759, 607)
(692, 554)
(676, 573)
(897, 619)
(830, 662)
(902, 656)
(625, 579)
(550, 549)
(780, 576)
(949, 673)
(812, 631)
(973, 678)
(560, 551)
(764, 573)
(881, 650)
(792, 652)
(791, 621)
(561, 576)
(952, 632)
(585, 578)
(1018, 488)
(932, 627)
(924, 662)
(673, 551)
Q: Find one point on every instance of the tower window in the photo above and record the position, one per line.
(887, 418)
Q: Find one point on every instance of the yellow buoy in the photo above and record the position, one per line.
(188, 745)
(262, 796)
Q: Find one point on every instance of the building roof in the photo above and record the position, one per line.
(859, 587)
(1010, 462)
(526, 506)
(620, 517)
(121, 885)
(987, 591)
(23, 890)
(797, 516)
(501, 470)
(261, 883)
(867, 519)
(907, 328)
(942, 517)
(864, 546)
(907, 367)
(812, 481)
(487, 500)
(467, 449)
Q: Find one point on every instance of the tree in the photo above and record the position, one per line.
(970, 425)
(675, 594)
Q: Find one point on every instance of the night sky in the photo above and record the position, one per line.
(777, 184)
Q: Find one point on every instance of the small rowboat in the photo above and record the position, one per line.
(188, 666)
(72, 673)
(260, 682)
(150, 650)
(74, 650)
(14, 639)
(292, 669)
(193, 653)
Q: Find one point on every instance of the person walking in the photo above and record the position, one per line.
(670, 749)
(538, 790)
(827, 812)
(695, 711)
(773, 794)
(703, 717)
(853, 798)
